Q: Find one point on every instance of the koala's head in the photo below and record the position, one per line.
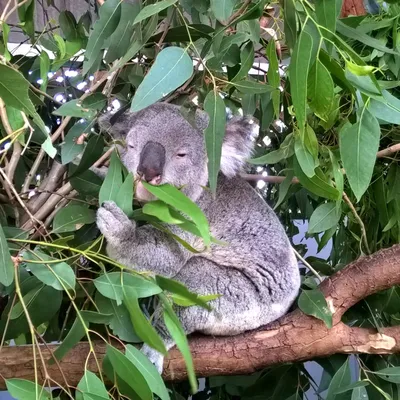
(161, 146)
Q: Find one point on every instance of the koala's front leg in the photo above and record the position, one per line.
(144, 248)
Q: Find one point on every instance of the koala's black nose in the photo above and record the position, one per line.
(152, 161)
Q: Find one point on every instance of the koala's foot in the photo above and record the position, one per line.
(114, 224)
(154, 356)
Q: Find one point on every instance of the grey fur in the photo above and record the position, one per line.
(256, 272)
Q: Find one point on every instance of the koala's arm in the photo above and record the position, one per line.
(143, 249)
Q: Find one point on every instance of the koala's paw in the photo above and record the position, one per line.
(154, 356)
(113, 223)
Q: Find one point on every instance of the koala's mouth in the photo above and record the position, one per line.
(142, 194)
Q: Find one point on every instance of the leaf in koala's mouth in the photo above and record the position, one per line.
(175, 198)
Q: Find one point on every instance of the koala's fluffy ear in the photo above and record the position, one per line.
(117, 125)
(238, 144)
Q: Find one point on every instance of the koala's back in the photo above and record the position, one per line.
(256, 271)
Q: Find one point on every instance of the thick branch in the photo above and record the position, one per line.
(295, 337)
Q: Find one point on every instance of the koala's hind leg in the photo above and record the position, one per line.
(237, 310)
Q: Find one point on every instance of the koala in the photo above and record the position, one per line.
(254, 270)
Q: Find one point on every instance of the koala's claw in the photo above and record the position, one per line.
(156, 358)
(113, 223)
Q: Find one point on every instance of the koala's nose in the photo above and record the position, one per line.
(152, 161)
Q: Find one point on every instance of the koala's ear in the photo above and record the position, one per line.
(117, 125)
(238, 144)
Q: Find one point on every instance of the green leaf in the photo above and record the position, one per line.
(223, 9)
(286, 150)
(214, 135)
(120, 322)
(125, 196)
(129, 373)
(352, 386)
(352, 33)
(327, 12)
(163, 212)
(44, 70)
(112, 182)
(298, 70)
(171, 69)
(68, 25)
(184, 302)
(6, 264)
(390, 374)
(56, 275)
(28, 299)
(246, 61)
(365, 84)
(153, 9)
(137, 44)
(3, 47)
(317, 184)
(14, 92)
(87, 183)
(95, 101)
(312, 302)
(289, 18)
(149, 372)
(178, 288)
(74, 108)
(22, 389)
(72, 217)
(142, 326)
(252, 87)
(273, 75)
(178, 335)
(122, 36)
(93, 151)
(359, 393)
(110, 285)
(386, 109)
(75, 334)
(109, 15)
(306, 150)
(342, 378)
(91, 384)
(70, 149)
(320, 90)
(338, 175)
(174, 197)
(359, 144)
(323, 218)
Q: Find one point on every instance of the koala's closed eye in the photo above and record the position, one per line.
(181, 154)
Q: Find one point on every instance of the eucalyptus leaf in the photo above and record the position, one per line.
(323, 218)
(359, 144)
(171, 69)
(72, 217)
(6, 264)
(109, 15)
(214, 135)
(312, 302)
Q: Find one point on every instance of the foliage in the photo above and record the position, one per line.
(328, 109)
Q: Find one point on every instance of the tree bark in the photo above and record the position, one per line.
(295, 337)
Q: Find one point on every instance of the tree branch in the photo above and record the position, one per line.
(295, 337)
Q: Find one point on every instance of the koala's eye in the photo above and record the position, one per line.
(181, 155)
(131, 146)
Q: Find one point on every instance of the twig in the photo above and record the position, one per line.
(238, 12)
(17, 5)
(266, 178)
(359, 220)
(318, 276)
(33, 219)
(164, 34)
(387, 152)
(17, 148)
(104, 157)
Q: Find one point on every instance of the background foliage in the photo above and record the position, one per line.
(328, 109)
